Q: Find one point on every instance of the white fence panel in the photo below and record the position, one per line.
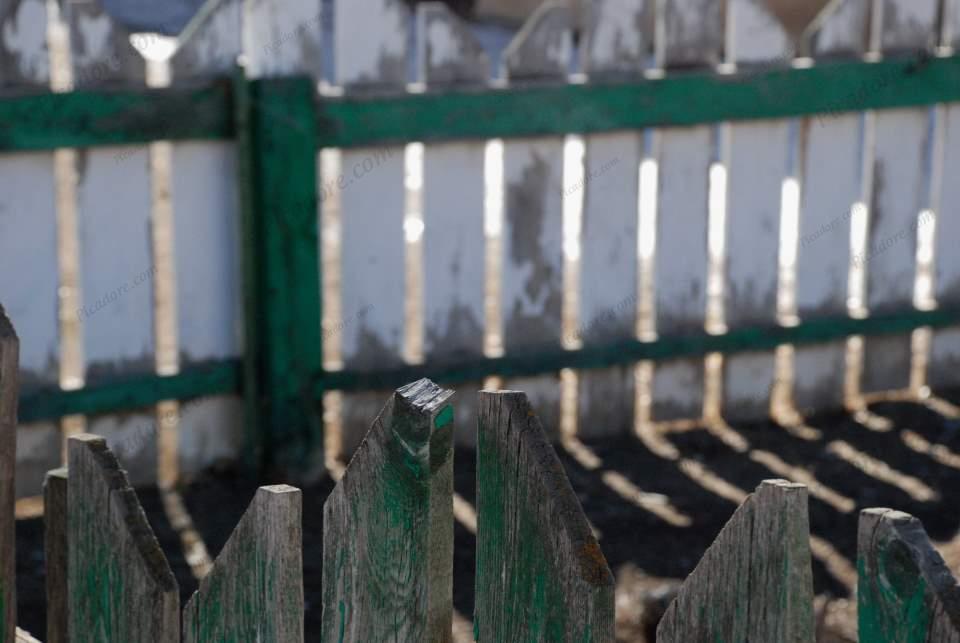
(900, 192)
(757, 160)
(532, 267)
(692, 38)
(618, 42)
(453, 211)
(831, 148)
(28, 241)
(117, 264)
(206, 245)
(372, 204)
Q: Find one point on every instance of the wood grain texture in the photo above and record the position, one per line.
(540, 573)
(122, 589)
(255, 590)
(388, 527)
(754, 583)
(905, 592)
(55, 553)
(9, 393)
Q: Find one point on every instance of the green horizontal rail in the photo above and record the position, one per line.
(113, 117)
(631, 351)
(222, 378)
(217, 378)
(677, 99)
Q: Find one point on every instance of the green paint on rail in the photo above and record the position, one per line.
(113, 117)
(678, 99)
(534, 362)
(134, 392)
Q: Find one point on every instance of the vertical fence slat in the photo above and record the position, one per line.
(372, 201)
(618, 41)
(114, 209)
(900, 183)
(757, 159)
(388, 527)
(692, 37)
(831, 148)
(28, 237)
(453, 210)
(945, 348)
(206, 227)
(281, 47)
(755, 581)
(531, 282)
(905, 592)
(540, 573)
(55, 554)
(9, 394)
(121, 586)
(255, 589)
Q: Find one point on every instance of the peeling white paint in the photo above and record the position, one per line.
(25, 39)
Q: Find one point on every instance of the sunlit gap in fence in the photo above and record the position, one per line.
(493, 227)
(413, 227)
(574, 188)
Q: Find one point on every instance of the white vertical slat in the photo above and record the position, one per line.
(453, 211)
(371, 205)
(28, 241)
(945, 351)
(532, 275)
(831, 148)
(618, 42)
(692, 32)
(900, 180)
(757, 165)
(206, 241)
(116, 258)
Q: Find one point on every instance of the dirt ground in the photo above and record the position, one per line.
(851, 465)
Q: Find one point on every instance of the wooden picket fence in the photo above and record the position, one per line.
(562, 234)
(388, 550)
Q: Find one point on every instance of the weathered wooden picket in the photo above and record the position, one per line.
(635, 180)
(388, 550)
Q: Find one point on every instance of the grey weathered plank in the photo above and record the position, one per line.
(122, 589)
(255, 590)
(755, 582)
(55, 553)
(905, 592)
(388, 527)
(9, 391)
(540, 573)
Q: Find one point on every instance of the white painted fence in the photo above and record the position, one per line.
(454, 250)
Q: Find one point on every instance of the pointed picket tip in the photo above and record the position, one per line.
(448, 53)
(24, 56)
(841, 30)
(101, 52)
(905, 590)
(692, 34)
(618, 37)
(756, 37)
(542, 50)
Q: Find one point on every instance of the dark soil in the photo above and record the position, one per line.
(638, 545)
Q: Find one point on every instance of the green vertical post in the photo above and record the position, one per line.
(285, 347)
